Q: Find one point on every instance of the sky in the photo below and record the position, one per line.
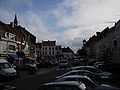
(66, 21)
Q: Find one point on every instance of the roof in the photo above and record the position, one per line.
(64, 83)
(48, 43)
(82, 67)
(76, 76)
(74, 71)
(20, 32)
(67, 50)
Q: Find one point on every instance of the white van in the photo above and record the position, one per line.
(6, 70)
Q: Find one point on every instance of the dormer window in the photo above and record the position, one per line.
(115, 43)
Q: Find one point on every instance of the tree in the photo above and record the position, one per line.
(82, 52)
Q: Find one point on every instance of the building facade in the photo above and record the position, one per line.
(105, 45)
(50, 51)
(67, 53)
(8, 44)
(14, 40)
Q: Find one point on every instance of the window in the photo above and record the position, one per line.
(3, 47)
(93, 70)
(70, 79)
(56, 48)
(115, 43)
(53, 48)
(45, 53)
(49, 53)
(53, 53)
(12, 47)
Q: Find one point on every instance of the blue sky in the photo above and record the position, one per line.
(66, 21)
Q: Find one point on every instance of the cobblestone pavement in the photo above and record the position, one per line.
(25, 74)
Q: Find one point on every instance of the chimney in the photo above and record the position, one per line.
(98, 33)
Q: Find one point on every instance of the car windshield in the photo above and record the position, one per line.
(94, 70)
(5, 65)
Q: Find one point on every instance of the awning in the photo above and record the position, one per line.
(14, 56)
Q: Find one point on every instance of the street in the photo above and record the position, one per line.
(34, 82)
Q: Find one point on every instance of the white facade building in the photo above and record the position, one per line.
(50, 51)
(8, 44)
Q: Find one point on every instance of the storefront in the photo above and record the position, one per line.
(15, 60)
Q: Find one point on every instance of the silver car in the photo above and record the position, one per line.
(99, 72)
(63, 64)
(66, 85)
(79, 72)
(90, 84)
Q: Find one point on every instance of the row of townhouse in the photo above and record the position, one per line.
(19, 46)
(105, 45)
(48, 50)
(15, 42)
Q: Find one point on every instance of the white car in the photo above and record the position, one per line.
(99, 72)
(90, 84)
(66, 85)
(6, 70)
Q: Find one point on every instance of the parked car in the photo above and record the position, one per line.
(80, 78)
(67, 85)
(90, 84)
(91, 61)
(106, 87)
(76, 62)
(63, 64)
(79, 72)
(106, 66)
(55, 62)
(45, 64)
(6, 70)
(6, 87)
(29, 67)
(100, 73)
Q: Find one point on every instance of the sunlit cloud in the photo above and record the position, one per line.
(69, 22)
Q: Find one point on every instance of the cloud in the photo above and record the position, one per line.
(69, 22)
(89, 16)
(36, 26)
(78, 18)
